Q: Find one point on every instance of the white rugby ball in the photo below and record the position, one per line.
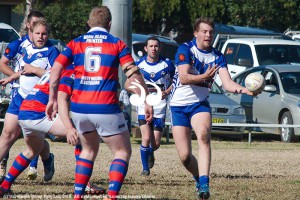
(254, 82)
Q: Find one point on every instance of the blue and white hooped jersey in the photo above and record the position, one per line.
(160, 73)
(14, 52)
(188, 53)
(43, 58)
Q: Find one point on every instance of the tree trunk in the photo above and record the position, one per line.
(23, 29)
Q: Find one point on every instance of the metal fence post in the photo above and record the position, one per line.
(249, 136)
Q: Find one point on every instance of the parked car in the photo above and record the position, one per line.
(225, 32)
(169, 46)
(245, 53)
(7, 35)
(279, 101)
(224, 110)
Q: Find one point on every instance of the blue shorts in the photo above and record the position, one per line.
(182, 115)
(15, 104)
(157, 123)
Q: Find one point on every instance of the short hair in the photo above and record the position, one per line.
(152, 38)
(100, 16)
(41, 21)
(34, 13)
(205, 20)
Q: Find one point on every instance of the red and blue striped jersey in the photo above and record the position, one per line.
(34, 105)
(96, 56)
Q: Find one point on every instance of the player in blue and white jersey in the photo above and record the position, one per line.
(14, 54)
(159, 71)
(37, 58)
(197, 64)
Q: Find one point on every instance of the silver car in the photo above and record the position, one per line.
(224, 110)
(279, 103)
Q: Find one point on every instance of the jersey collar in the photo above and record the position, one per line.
(97, 29)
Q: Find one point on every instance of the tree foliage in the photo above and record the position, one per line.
(68, 18)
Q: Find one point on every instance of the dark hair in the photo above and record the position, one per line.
(35, 13)
(205, 20)
(152, 38)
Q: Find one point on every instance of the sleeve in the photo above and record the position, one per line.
(54, 52)
(124, 54)
(183, 55)
(67, 80)
(12, 49)
(221, 61)
(65, 58)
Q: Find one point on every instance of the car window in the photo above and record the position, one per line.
(216, 89)
(8, 35)
(277, 54)
(291, 82)
(271, 79)
(230, 53)
(244, 56)
(167, 50)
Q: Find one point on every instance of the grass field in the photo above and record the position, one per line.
(262, 170)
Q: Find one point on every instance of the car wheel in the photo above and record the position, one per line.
(287, 134)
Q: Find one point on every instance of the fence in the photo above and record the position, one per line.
(168, 124)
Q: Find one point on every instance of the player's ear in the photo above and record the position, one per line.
(109, 26)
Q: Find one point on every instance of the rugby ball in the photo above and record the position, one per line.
(254, 82)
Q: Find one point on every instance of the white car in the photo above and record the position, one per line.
(7, 35)
(245, 53)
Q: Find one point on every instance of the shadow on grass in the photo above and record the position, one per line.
(162, 142)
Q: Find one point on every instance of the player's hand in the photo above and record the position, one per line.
(28, 69)
(164, 95)
(148, 113)
(51, 109)
(72, 136)
(5, 81)
(210, 72)
(254, 93)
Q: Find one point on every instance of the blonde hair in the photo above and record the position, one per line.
(100, 16)
(41, 21)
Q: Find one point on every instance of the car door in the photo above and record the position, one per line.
(265, 105)
(244, 100)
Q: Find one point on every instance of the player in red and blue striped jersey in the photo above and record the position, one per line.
(94, 104)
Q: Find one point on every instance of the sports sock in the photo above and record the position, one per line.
(83, 172)
(117, 172)
(144, 156)
(19, 165)
(34, 162)
(78, 149)
(196, 178)
(204, 181)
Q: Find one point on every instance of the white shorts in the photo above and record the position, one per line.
(40, 126)
(104, 124)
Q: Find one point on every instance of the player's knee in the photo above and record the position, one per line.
(186, 160)
(9, 135)
(204, 138)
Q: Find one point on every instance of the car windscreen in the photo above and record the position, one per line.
(167, 50)
(8, 35)
(277, 54)
(291, 82)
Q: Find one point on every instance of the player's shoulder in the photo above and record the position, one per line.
(140, 60)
